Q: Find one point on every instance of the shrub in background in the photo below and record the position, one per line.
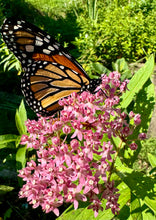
(118, 32)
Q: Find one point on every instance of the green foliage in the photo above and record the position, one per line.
(92, 10)
(8, 60)
(10, 145)
(12, 158)
(152, 160)
(141, 186)
(5, 140)
(137, 82)
(119, 32)
(100, 37)
(8, 213)
(120, 66)
(101, 31)
(20, 118)
(146, 158)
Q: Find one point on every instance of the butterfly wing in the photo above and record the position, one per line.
(30, 43)
(45, 83)
(41, 55)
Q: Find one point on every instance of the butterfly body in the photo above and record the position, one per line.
(50, 73)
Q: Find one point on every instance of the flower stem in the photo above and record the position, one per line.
(114, 159)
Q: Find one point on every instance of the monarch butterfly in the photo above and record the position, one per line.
(50, 72)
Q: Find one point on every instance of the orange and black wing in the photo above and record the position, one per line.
(50, 72)
(29, 43)
(45, 83)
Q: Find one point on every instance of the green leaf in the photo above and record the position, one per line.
(152, 171)
(124, 197)
(99, 68)
(148, 215)
(7, 214)
(143, 187)
(135, 206)
(6, 139)
(122, 67)
(137, 82)
(18, 140)
(125, 194)
(116, 142)
(21, 118)
(4, 189)
(144, 105)
(152, 160)
(83, 213)
(21, 157)
(6, 59)
(139, 210)
(151, 201)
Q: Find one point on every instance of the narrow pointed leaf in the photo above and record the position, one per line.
(137, 82)
(6, 139)
(152, 160)
(20, 118)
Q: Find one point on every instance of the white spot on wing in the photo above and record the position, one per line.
(51, 48)
(40, 33)
(75, 72)
(38, 43)
(46, 40)
(24, 55)
(38, 38)
(16, 27)
(29, 48)
(18, 22)
(67, 55)
(46, 51)
(29, 29)
(57, 47)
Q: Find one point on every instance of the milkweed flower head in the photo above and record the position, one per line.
(74, 151)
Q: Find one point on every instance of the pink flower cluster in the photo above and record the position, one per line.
(74, 151)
